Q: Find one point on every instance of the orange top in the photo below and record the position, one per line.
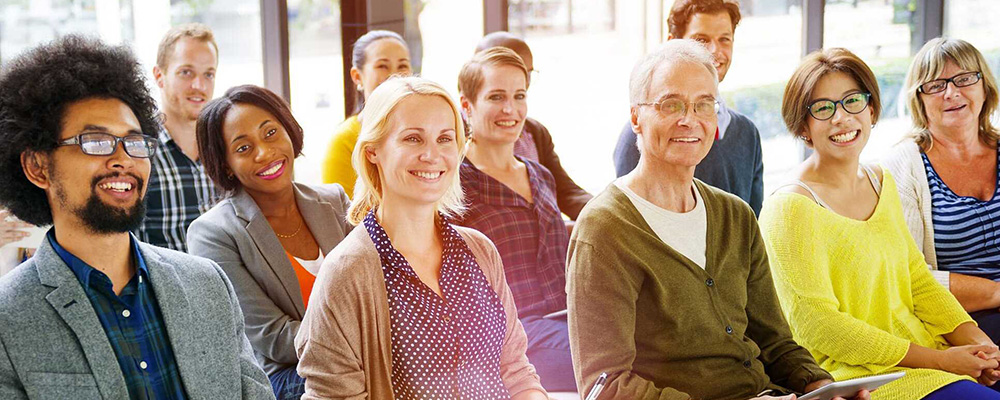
(306, 278)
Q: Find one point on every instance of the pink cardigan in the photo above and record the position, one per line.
(344, 344)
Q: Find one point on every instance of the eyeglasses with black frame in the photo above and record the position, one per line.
(961, 80)
(674, 107)
(824, 109)
(105, 144)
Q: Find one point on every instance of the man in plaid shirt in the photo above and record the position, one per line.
(179, 190)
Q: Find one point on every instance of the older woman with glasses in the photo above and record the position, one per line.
(270, 234)
(948, 175)
(852, 282)
(410, 306)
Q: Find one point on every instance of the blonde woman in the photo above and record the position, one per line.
(948, 177)
(851, 281)
(408, 305)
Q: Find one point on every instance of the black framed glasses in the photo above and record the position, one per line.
(960, 80)
(674, 107)
(853, 103)
(105, 144)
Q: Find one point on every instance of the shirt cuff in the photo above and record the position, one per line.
(943, 277)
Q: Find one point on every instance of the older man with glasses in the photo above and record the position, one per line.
(668, 315)
(734, 163)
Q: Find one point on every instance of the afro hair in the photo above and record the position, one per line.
(35, 89)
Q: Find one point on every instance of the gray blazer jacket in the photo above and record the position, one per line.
(52, 344)
(236, 235)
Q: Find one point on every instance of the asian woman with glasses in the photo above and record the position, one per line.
(854, 286)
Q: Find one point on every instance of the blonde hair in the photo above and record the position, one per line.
(470, 78)
(375, 128)
(927, 66)
(192, 30)
(799, 89)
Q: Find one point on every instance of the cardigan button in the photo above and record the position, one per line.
(729, 329)
(747, 364)
(710, 282)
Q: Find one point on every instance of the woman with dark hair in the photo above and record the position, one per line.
(376, 56)
(270, 234)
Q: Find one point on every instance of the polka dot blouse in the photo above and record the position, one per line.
(442, 348)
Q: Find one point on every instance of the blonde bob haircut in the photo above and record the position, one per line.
(927, 66)
(799, 89)
(470, 78)
(375, 129)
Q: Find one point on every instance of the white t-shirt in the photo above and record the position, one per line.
(312, 265)
(684, 232)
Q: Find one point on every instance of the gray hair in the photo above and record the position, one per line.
(673, 51)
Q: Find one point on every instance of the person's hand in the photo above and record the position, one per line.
(11, 228)
(990, 376)
(789, 397)
(964, 360)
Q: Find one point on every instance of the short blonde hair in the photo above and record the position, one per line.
(375, 127)
(927, 66)
(470, 78)
(799, 89)
(192, 30)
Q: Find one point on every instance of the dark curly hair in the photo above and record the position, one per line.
(212, 142)
(683, 10)
(35, 89)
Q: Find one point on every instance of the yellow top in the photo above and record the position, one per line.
(857, 293)
(337, 166)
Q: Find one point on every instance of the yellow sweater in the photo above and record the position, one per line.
(856, 293)
(337, 166)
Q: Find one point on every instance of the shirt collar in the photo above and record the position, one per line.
(82, 270)
(723, 115)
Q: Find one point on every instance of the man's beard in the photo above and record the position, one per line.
(101, 218)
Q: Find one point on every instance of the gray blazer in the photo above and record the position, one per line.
(52, 344)
(236, 235)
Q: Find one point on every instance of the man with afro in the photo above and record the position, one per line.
(97, 314)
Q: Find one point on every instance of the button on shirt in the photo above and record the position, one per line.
(134, 326)
(179, 192)
(531, 237)
(442, 348)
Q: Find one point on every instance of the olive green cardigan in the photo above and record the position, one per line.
(664, 328)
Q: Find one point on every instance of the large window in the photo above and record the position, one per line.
(766, 50)
(316, 76)
(583, 56)
(974, 21)
(24, 24)
(880, 32)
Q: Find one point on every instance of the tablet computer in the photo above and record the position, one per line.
(850, 387)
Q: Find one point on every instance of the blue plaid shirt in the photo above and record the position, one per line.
(134, 326)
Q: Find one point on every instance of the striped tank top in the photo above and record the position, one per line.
(966, 229)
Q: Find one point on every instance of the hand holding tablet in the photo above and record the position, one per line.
(847, 389)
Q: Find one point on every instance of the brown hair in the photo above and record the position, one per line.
(470, 79)
(192, 30)
(211, 141)
(927, 66)
(683, 10)
(798, 91)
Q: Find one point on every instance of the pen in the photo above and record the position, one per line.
(598, 387)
